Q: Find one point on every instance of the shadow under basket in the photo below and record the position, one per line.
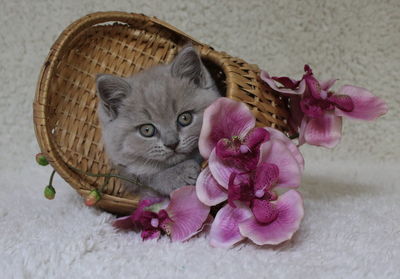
(64, 109)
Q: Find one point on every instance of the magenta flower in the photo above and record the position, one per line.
(212, 183)
(242, 152)
(316, 111)
(288, 87)
(285, 85)
(230, 126)
(257, 188)
(281, 219)
(180, 218)
(244, 168)
(225, 232)
(254, 210)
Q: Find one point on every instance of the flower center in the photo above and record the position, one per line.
(236, 141)
(264, 211)
(259, 193)
(154, 222)
(244, 149)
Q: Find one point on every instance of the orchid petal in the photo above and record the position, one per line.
(276, 152)
(308, 70)
(221, 169)
(226, 148)
(266, 175)
(186, 212)
(144, 221)
(287, 82)
(207, 189)
(276, 134)
(302, 130)
(223, 119)
(271, 83)
(312, 83)
(324, 131)
(290, 213)
(234, 190)
(366, 105)
(224, 231)
(124, 223)
(150, 234)
(143, 206)
(256, 137)
(296, 114)
(327, 84)
(248, 153)
(342, 102)
(156, 207)
(311, 107)
(313, 87)
(264, 211)
(243, 191)
(243, 155)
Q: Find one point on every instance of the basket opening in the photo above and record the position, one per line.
(217, 74)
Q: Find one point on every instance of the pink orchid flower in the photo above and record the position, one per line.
(180, 218)
(257, 186)
(212, 183)
(229, 131)
(254, 210)
(317, 111)
(288, 87)
(285, 85)
(282, 219)
(274, 162)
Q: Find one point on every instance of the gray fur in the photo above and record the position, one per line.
(156, 96)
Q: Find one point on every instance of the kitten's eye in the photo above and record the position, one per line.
(147, 130)
(185, 119)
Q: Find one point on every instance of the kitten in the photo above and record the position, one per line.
(151, 122)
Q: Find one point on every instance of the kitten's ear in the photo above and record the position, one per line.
(111, 90)
(187, 64)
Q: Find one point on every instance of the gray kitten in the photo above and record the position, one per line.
(151, 122)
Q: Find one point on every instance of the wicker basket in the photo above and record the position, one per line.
(64, 109)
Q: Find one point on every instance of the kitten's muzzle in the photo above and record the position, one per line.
(172, 145)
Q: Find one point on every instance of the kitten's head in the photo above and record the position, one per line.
(155, 117)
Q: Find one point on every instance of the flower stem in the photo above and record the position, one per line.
(108, 176)
(51, 178)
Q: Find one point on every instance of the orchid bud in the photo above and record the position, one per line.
(41, 159)
(244, 149)
(259, 193)
(49, 192)
(154, 222)
(93, 197)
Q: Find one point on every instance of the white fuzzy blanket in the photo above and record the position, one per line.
(352, 193)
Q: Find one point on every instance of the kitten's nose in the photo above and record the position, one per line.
(172, 145)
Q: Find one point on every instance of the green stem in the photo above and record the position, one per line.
(51, 178)
(108, 176)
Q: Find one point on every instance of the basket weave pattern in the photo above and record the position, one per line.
(65, 116)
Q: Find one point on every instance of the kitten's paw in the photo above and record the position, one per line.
(189, 171)
(182, 174)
